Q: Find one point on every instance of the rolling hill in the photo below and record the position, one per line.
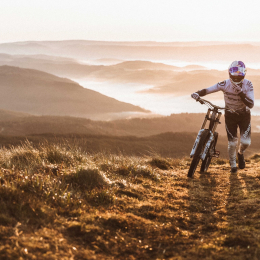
(40, 93)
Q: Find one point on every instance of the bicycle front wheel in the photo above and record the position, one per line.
(196, 157)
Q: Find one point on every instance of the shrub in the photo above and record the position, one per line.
(22, 156)
(137, 170)
(160, 163)
(87, 179)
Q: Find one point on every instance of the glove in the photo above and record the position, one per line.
(236, 88)
(195, 96)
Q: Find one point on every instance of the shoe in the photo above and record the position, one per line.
(241, 161)
(233, 170)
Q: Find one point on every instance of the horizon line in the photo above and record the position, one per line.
(137, 41)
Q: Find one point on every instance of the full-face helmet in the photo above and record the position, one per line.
(237, 72)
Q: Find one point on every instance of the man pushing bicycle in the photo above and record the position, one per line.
(239, 99)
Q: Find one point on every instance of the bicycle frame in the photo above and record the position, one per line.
(213, 116)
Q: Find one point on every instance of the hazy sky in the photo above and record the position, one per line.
(123, 20)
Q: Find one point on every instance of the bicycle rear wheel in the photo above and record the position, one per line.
(206, 162)
(196, 157)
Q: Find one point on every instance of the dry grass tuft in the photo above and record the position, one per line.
(161, 163)
(87, 179)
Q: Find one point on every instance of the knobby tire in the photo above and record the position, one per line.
(196, 157)
(206, 162)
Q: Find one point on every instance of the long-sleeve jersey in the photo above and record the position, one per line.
(233, 100)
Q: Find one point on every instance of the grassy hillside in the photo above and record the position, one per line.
(60, 203)
(40, 93)
(172, 145)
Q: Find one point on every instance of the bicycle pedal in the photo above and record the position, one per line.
(216, 154)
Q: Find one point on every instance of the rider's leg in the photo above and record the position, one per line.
(231, 121)
(232, 145)
(245, 131)
(245, 137)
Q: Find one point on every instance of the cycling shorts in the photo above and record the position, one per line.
(241, 120)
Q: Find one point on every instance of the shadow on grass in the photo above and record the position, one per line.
(242, 231)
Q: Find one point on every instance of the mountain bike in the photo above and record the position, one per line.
(204, 148)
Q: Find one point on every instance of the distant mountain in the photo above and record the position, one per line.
(68, 67)
(144, 72)
(105, 61)
(192, 52)
(144, 65)
(148, 65)
(8, 115)
(40, 93)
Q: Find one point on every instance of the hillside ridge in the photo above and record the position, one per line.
(41, 93)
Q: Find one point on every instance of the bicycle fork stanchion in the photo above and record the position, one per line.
(206, 119)
(204, 153)
(213, 125)
(196, 143)
(217, 122)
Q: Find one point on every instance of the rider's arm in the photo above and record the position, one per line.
(248, 97)
(249, 102)
(212, 89)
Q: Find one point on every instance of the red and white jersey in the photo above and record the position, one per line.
(232, 99)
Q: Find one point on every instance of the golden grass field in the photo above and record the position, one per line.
(57, 202)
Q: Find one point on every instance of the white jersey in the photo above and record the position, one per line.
(232, 99)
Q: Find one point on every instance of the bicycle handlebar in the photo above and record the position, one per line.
(207, 103)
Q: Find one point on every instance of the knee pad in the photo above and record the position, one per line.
(233, 143)
(245, 141)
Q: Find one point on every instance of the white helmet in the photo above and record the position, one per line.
(237, 72)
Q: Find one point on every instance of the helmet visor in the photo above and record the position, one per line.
(237, 71)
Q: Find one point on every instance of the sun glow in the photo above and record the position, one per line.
(164, 20)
